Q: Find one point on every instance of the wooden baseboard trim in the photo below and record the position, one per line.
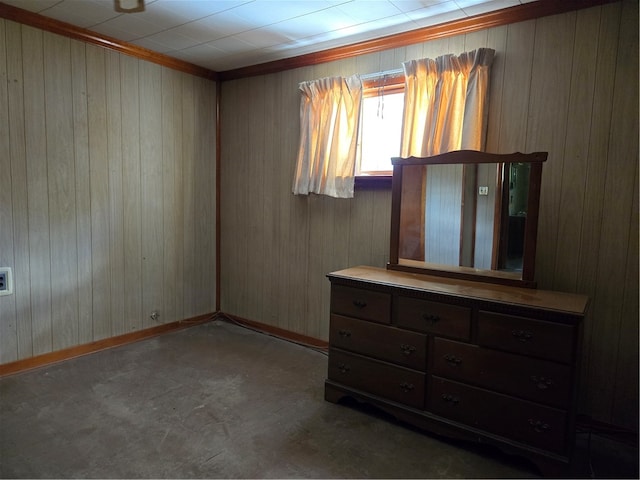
(277, 332)
(72, 352)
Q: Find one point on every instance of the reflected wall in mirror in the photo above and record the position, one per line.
(467, 214)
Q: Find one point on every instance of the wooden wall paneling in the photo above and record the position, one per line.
(205, 196)
(242, 200)
(37, 189)
(456, 44)
(387, 60)
(131, 192)
(178, 188)
(413, 52)
(254, 207)
(61, 181)
(547, 127)
(151, 188)
(169, 216)
(188, 175)
(618, 198)
(82, 190)
(626, 368)
(318, 205)
(361, 220)
(8, 318)
(19, 188)
(381, 227)
(475, 40)
(288, 119)
(579, 117)
(518, 63)
(295, 213)
(116, 220)
(436, 48)
(496, 38)
(271, 200)
(99, 173)
(594, 167)
(229, 143)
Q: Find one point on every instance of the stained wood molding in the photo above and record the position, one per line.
(520, 13)
(80, 350)
(62, 28)
(276, 332)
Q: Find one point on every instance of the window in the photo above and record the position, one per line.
(381, 124)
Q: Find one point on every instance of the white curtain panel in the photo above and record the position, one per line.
(446, 103)
(329, 121)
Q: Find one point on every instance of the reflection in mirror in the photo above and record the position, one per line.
(468, 216)
(514, 215)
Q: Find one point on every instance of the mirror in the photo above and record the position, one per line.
(467, 214)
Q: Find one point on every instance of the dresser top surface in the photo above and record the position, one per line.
(549, 300)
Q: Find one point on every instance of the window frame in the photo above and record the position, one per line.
(383, 84)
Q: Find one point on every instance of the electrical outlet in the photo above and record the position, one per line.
(6, 281)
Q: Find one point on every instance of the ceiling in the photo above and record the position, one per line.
(223, 35)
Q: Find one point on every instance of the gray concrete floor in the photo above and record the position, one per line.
(219, 401)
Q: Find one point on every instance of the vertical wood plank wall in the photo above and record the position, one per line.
(107, 193)
(566, 84)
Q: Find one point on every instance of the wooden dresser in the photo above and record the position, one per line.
(481, 362)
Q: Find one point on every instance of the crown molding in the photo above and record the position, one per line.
(62, 28)
(519, 13)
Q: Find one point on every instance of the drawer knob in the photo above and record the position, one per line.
(541, 382)
(344, 333)
(406, 387)
(451, 399)
(359, 303)
(343, 368)
(522, 335)
(407, 349)
(539, 426)
(452, 360)
(429, 317)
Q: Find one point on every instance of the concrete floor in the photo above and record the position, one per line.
(221, 401)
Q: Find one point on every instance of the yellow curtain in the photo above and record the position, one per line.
(446, 102)
(329, 121)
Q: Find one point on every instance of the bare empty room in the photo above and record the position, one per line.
(318, 239)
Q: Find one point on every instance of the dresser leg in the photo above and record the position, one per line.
(332, 394)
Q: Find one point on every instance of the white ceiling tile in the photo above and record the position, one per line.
(151, 45)
(82, 13)
(32, 5)
(226, 34)
(231, 45)
(186, 11)
(263, 37)
(411, 5)
(170, 39)
(134, 24)
(366, 10)
(449, 8)
(476, 7)
(440, 18)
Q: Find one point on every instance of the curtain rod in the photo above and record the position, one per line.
(394, 72)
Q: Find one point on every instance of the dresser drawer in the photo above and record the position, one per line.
(432, 317)
(524, 377)
(523, 421)
(552, 341)
(379, 341)
(394, 383)
(361, 303)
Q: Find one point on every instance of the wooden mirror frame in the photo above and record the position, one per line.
(472, 157)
